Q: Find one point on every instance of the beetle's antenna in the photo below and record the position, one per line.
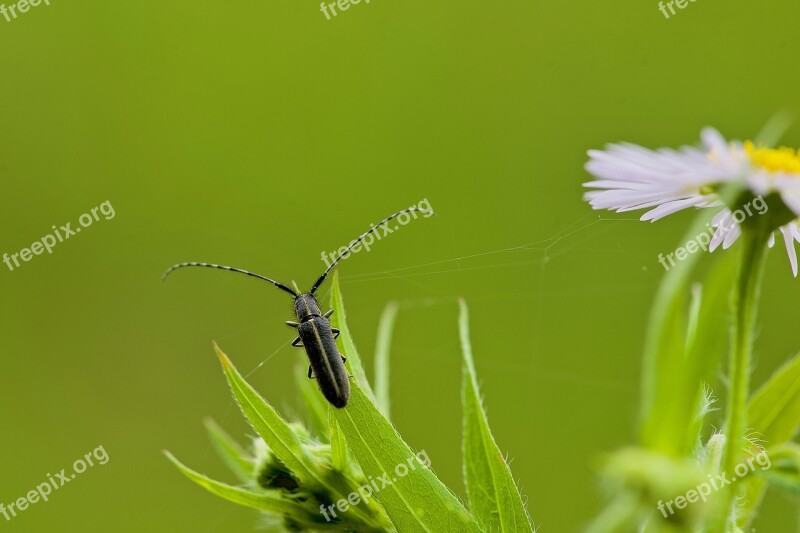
(222, 267)
(361, 238)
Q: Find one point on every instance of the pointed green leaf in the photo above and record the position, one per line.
(275, 431)
(382, 349)
(339, 321)
(774, 410)
(494, 498)
(287, 446)
(414, 498)
(235, 457)
(264, 501)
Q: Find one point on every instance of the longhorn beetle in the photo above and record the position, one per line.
(315, 333)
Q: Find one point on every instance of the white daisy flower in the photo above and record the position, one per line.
(666, 181)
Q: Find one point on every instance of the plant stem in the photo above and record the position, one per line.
(744, 305)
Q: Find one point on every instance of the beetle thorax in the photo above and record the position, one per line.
(306, 307)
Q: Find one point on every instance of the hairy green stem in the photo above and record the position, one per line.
(744, 305)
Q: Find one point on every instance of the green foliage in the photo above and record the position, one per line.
(349, 469)
(417, 501)
(236, 458)
(383, 343)
(493, 495)
(345, 341)
(264, 501)
(682, 351)
(785, 469)
(696, 318)
(774, 410)
(774, 415)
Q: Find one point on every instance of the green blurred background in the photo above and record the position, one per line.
(259, 134)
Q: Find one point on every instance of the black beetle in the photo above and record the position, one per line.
(315, 333)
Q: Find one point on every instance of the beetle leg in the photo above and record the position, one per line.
(335, 333)
(344, 359)
(310, 373)
(292, 324)
(328, 314)
(297, 343)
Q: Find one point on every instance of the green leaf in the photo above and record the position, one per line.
(774, 410)
(774, 414)
(707, 340)
(382, 348)
(284, 442)
(663, 425)
(338, 443)
(494, 498)
(415, 501)
(675, 367)
(339, 321)
(275, 431)
(783, 469)
(234, 456)
(273, 502)
(316, 408)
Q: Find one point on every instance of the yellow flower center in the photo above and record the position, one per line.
(781, 159)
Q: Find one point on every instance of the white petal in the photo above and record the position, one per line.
(730, 158)
(760, 182)
(722, 221)
(788, 239)
(666, 181)
(731, 236)
(616, 184)
(713, 140)
(669, 208)
(791, 196)
(626, 200)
